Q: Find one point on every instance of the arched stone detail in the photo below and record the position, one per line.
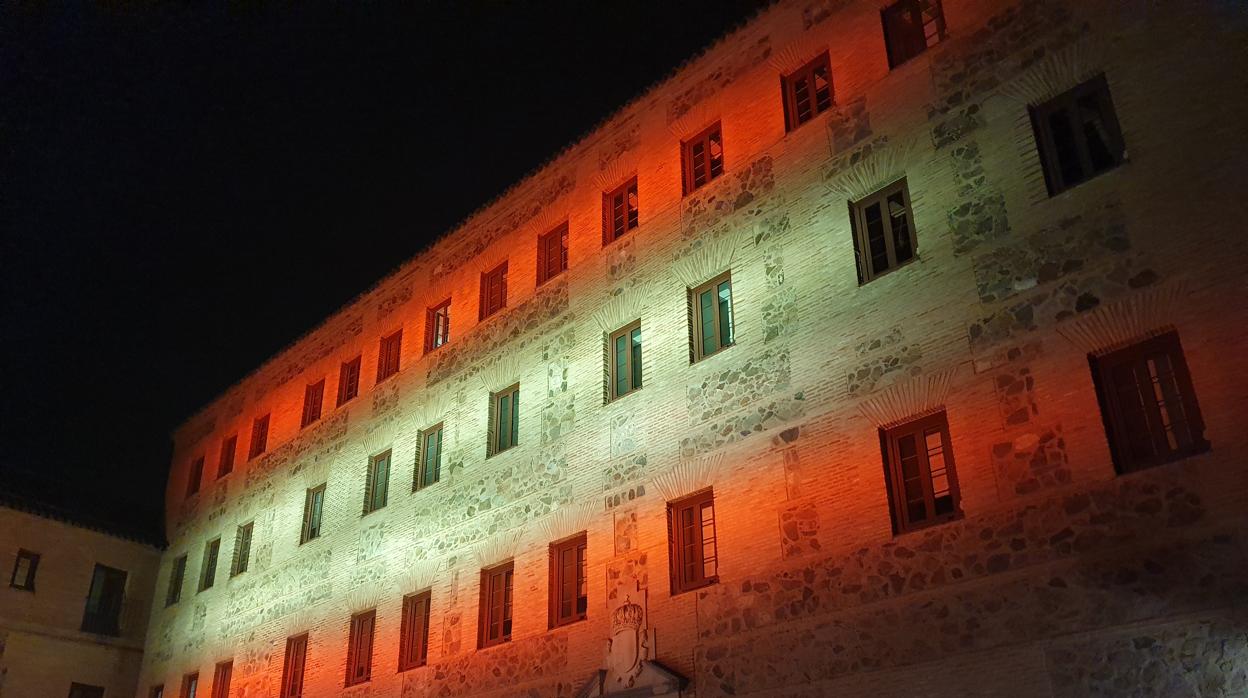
(700, 115)
(796, 54)
(434, 409)
(622, 309)
(712, 257)
(616, 171)
(503, 373)
(688, 477)
(1121, 322)
(420, 576)
(888, 162)
(1056, 73)
(365, 598)
(904, 401)
(564, 522)
(497, 548)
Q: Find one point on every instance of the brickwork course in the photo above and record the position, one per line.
(1060, 576)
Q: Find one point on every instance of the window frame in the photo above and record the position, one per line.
(495, 431)
(633, 361)
(631, 210)
(548, 253)
(919, 427)
(313, 403)
(195, 477)
(294, 665)
(208, 567)
(313, 510)
(558, 582)
(697, 350)
(790, 93)
(106, 618)
(85, 690)
(229, 452)
(259, 437)
(504, 574)
(414, 630)
(389, 355)
(689, 168)
(241, 557)
(157, 691)
(349, 380)
(376, 487)
(896, 45)
(488, 278)
(177, 579)
(360, 647)
(419, 481)
(434, 340)
(1046, 147)
(222, 675)
(678, 561)
(861, 235)
(32, 560)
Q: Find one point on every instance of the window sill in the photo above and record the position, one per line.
(569, 623)
(616, 398)
(940, 521)
(717, 353)
(710, 582)
(913, 260)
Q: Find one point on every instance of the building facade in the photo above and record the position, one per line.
(73, 608)
(886, 348)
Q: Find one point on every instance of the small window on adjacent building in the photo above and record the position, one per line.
(348, 381)
(312, 505)
(619, 211)
(428, 458)
(292, 667)
(922, 482)
(414, 631)
(568, 587)
(807, 92)
(313, 399)
(221, 677)
(624, 360)
(552, 254)
(208, 573)
(493, 291)
(102, 614)
(438, 325)
(376, 482)
(157, 692)
(388, 355)
(225, 465)
(360, 648)
(691, 542)
(495, 606)
(82, 690)
(911, 27)
(176, 576)
(242, 549)
(1078, 136)
(702, 158)
(24, 569)
(710, 317)
(883, 227)
(259, 436)
(193, 478)
(504, 419)
(190, 685)
(1148, 404)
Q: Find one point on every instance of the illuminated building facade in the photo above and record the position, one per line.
(887, 348)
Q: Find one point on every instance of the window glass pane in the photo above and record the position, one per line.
(515, 418)
(876, 245)
(706, 305)
(725, 314)
(621, 364)
(504, 422)
(636, 359)
(1067, 151)
(900, 222)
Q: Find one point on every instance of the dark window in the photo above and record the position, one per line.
(702, 158)
(82, 690)
(1078, 136)
(504, 419)
(208, 573)
(259, 436)
(242, 549)
(552, 254)
(24, 569)
(360, 648)
(313, 398)
(388, 355)
(691, 542)
(428, 458)
(493, 291)
(807, 92)
(157, 692)
(225, 465)
(624, 357)
(414, 631)
(312, 505)
(190, 685)
(438, 325)
(1148, 403)
(619, 211)
(710, 317)
(194, 477)
(921, 481)
(176, 576)
(495, 606)
(568, 596)
(221, 679)
(911, 27)
(102, 614)
(883, 227)
(348, 381)
(292, 667)
(376, 482)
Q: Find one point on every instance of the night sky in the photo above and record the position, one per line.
(186, 190)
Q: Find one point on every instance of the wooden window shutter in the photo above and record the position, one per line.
(484, 298)
(492, 429)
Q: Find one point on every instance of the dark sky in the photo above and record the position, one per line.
(186, 189)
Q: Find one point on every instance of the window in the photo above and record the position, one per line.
(388, 355)
(242, 549)
(493, 291)
(807, 92)
(312, 505)
(1078, 136)
(102, 614)
(1148, 404)
(702, 158)
(313, 397)
(691, 542)
(360, 648)
(82, 690)
(883, 231)
(619, 211)
(552, 254)
(624, 359)
(376, 482)
(208, 573)
(504, 419)
(348, 381)
(196, 474)
(495, 606)
(921, 482)
(568, 597)
(24, 568)
(225, 466)
(428, 458)
(911, 27)
(292, 667)
(175, 581)
(710, 317)
(157, 692)
(437, 325)
(221, 679)
(259, 436)
(414, 631)
(190, 685)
